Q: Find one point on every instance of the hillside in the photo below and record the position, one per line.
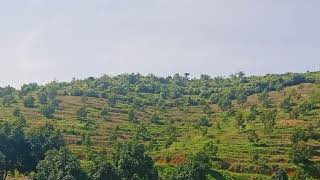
(95, 113)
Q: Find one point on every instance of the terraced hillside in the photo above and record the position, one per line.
(176, 121)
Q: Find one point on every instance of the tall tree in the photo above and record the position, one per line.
(59, 164)
(132, 162)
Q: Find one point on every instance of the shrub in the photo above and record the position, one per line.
(280, 175)
(29, 101)
(300, 152)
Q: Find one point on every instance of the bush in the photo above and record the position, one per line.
(280, 175)
(253, 137)
(16, 112)
(101, 169)
(47, 111)
(132, 162)
(59, 164)
(299, 135)
(8, 100)
(82, 113)
(29, 101)
(196, 167)
(300, 152)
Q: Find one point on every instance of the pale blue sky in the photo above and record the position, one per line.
(42, 40)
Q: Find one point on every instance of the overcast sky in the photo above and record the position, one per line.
(45, 40)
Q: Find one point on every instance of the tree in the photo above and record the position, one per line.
(253, 137)
(295, 113)
(43, 99)
(299, 135)
(131, 115)
(286, 104)
(215, 98)
(268, 117)
(252, 114)
(21, 120)
(280, 175)
(28, 88)
(142, 133)
(16, 112)
(204, 122)
(47, 111)
(172, 133)
(101, 169)
(82, 112)
(239, 120)
(8, 100)
(3, 165)
(225, 103)
(105, 112)
(264, 99)
(155, 119)
(42, 140)
(300, 152)
(161, 102)
(86, 139)
(59, 164)
(153, 145)
(14, 150)
(210, 149)
(242, 98)
(196, 168)
(132, 162)
(29, 101)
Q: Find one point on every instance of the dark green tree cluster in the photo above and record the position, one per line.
(22, 153)
(198, 166)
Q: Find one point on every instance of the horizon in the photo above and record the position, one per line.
(191, 77)
(46, 41)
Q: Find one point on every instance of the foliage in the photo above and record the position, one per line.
(240, 120)
(172, 133)
(204, 122)
(132, 162)
(268, 118)
(210, 150)
(299, 135)
(131, 115)
(29, 102)
(195, 168)
(16, 112)
(253, 137)
(142, 133)
(42, 140)
(43, 99)
(82, 112)
(105, 112)
(300, 152)
(280, 175)
(264, 99)
(59, 164)
(47, 111)
(101, 169)
(155, 119)
(8, 100)
(286, 104)
(14, 148)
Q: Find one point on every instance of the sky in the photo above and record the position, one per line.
(42, 41)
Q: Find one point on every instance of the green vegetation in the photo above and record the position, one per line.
(132, 126)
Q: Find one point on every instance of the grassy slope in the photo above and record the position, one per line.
(234, 147)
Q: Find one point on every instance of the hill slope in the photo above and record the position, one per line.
(196, 111)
